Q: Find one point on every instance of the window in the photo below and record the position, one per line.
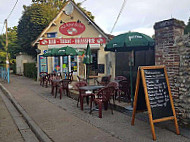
(51, 35)
(74, 63)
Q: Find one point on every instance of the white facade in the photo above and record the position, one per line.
(20, 60)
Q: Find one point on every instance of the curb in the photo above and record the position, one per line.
(34, 127)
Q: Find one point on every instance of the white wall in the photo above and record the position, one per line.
(20, 60)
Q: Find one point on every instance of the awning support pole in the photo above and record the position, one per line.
(131, 76)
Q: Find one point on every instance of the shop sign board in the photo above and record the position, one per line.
(72, 28)
(54, 41)
(43, 64)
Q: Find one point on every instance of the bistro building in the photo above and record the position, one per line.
(72, 27)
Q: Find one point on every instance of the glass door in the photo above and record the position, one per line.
(57, 64)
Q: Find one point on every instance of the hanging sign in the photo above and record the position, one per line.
(153, 94)
(72, 28)
(54, 41)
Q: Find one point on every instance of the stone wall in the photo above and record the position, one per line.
(166, 53)
(183, 79)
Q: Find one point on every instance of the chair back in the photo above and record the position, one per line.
(70, 75)
(52, 76)
(124, 86)
(43, 74)
(113, 84)
(58, 75)
(105, 80)
(65, 83)
(80, 78)
(80, 84)
(120, 78)
(106, 93)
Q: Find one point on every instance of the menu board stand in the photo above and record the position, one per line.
(157, 94)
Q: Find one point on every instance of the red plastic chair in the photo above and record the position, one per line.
(81, 79)
(124, 90)
(116, 87)
(43, 77)
(64, 87)
(82, 93)
(103, 97)
(104, 80)
(120, 78)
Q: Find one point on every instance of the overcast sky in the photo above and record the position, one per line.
(137, 15)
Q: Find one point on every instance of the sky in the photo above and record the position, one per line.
(137, 15)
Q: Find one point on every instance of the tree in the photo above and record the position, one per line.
(187, 28)
(34, 19)
(2, 49)
(54, 3)
(12, 46)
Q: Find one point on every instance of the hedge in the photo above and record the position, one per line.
(30, 70)
(13, 67)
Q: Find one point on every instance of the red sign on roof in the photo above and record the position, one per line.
(72, 28)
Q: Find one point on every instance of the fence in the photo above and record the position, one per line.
(4, 74)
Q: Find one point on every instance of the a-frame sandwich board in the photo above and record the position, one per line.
(157, 96)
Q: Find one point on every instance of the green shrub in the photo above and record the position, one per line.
(30, 70)
(13, 67)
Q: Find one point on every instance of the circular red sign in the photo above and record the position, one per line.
(72, 28)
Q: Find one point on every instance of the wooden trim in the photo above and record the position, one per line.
(171, 101)
(148, 105)
(136, 97)
(152, 67)
(163, 119)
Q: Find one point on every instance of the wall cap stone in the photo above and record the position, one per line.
(168, 23)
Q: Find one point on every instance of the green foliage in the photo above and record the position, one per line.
(30, 70)
(13, 47)
(34, 19)
(2, 57)
(13, 67)
(2, 49)
(54, 3)
(187, 28)
(2, 42)
(88, 13)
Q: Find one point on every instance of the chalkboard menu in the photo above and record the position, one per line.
(153, 94)
(141, 103)
(158, 93)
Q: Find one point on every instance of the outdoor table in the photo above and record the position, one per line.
(55, 84)
(90, 88)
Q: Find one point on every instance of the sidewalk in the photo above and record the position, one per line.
(62, 121)
(8, 129)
